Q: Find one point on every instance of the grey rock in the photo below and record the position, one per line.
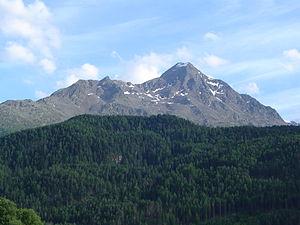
(293, 123)
(183, 91)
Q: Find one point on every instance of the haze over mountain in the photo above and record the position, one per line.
(182, 90)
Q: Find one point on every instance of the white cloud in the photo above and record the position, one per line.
(85, 72)
(17, 52)
(28, 82)
(40, 94)
(292, 59)
(250, 88)
(292, 54)
(90, 70)
(48, 65)
(116, 55)
(290, 67)
(30, 25)
(145, 67)
(210, 36)
(214, 61)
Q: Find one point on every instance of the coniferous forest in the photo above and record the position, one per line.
(93, 170)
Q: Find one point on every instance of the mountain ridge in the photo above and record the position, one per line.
(182, 90)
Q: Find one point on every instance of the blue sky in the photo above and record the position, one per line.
(253, 45)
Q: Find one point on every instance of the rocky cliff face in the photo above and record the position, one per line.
(182, 91)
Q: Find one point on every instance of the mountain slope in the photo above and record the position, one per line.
(153, 170)
(182, 91)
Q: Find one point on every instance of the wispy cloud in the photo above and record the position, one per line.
(48, 65)
(112, 31)
(287, 102)
(250, 88)
(40, 94)
(292, 54)
(214, 61)
(211, 36)
(292, 59)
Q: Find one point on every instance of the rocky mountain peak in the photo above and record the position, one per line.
(106, 79)
(180, 72)
(182, 90)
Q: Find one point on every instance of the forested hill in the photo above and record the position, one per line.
(153, 170)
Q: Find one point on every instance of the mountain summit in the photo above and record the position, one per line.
(182, 90)
(180, 71)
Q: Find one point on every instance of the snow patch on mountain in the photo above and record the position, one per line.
(158, 89)
(181, 64)
(216, 84)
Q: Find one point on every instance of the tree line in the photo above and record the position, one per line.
(153, 170)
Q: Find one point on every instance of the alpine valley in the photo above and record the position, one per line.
(182, 90)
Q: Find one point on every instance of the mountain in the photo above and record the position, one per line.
(293, 123)
(182, 91)
(134, 170)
